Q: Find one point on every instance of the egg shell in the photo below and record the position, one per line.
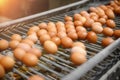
(16, 37)
(107, 41)
(92, 37)
(43, 25)
(108, 31)
(66, 42)
(4, 44)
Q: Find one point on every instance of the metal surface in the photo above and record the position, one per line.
(55, 67)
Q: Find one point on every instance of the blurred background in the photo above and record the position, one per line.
(13, 9)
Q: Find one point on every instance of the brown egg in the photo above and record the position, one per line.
(69, 22)
(110, 14)
(110, 7)
(34, 28)
(78, 23)
(1, 56)
(68, 18)
(93, 9)
(28, 41)
(85, 14)
(92, 37)
(117, 10)
(66, 42)
(94, 14)
(71, 30)
(52, 24)
(41, 32)
(35, 77)
(69, 26)
(108, 31)
(56, 40)
(61, 29)
(16, 37)
(50, 47)
(79, 44)
(7, 62)
(110, 23)
(31, 32)
(37, 52)
(78, 58)
(100, 12)
(43, 25)
(107, 41)
(61, 34)
(89, 23)
(73, 35)
(102, 20)
(103, 7)
(4, 44)
(33, 37)
(19, 53)
(2, 71)
(24, 46)
(52, 34)
(105, 17)
(82, 35)
(96, 23)
(83, 19)
(30, 59)
(80, 28)
(77, 49)
(117, 33)
(97, 28)
(77, 16)
(60, 23)
(13, 44)
(95, 18)
(44, 38)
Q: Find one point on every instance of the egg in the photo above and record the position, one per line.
(24, 46)
(28, 41)
(68, 18)
(35, 77)
(41, 32)
(116, 33)
(107, 41)
(97, 28)
(103, 7)
(2, 71)
(56, 40)
(102, 20)
(69, 26)
(16, 37)
(110, 7)
(85, 14)
(44, 38)
(77, 49)
(50, 47)
(108, 31)
(93, 9)
(69, 22)
(19, 53)
(61, 29)
(73, 35)
(100, 12)
(52, 24)
(31, 32)
(80, 28)
(7, 62)
(110, 23)
(61, 34)
(95, 18)
(66, 42)
(52, 34)
(92, 37)
(30, 60)
(77, 16)
(79, 44)
(34, 28)
(117, 10)
(13, 44)
(37, 52)
(82, 35)
(4, 44)
(105, 17)
(83, 19)
(1, 56)
(78, 23)
(71, 30)
(43, 25)
(88, 23)
(33, 37)
(78, 58)
(110, 14)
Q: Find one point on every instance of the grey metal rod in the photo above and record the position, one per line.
(84, 68)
